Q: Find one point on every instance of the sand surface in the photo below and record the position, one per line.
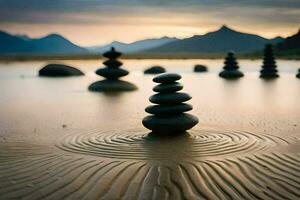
(60, 141)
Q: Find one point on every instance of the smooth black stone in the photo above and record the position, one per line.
(269, 75)
(155, 70)
(298, 75)
(170, 124)
(168, 109)
(112, 86)
(230, 68)
(168, 87)
(231, 74)
(112, 73)
(268, 71)
(167, 78)
(59, 70)
(170, 98)
(200, 68)
(113, 63)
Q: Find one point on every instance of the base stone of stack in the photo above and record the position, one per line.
(231, 74)
(172, 124)
(112, 86)
(269, 74)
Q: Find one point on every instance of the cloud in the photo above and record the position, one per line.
(172, 17)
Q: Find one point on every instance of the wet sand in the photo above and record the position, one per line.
(60, 141)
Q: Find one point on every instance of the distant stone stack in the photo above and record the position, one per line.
(269, 64)
(112, 72)
(231, 68)
(168, 116)
(298, 75)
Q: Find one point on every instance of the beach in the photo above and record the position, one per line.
(60, 141)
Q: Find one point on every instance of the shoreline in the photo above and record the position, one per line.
(7, 58)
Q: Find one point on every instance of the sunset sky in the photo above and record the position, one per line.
(94, 22)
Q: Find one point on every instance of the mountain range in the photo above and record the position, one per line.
(219, 41)
(222, 40)
(137, 46)
(51, 44)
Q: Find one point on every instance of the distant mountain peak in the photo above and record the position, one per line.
(225, 28)
(54, 35)
(23, 36)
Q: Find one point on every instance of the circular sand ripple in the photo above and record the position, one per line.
(197, 144)
(60, 176)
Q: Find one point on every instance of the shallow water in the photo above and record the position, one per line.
(250, 127)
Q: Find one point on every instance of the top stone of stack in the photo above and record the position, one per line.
(112, 54)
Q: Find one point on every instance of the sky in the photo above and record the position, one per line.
(96, 22)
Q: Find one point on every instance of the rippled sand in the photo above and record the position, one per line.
(59, 141)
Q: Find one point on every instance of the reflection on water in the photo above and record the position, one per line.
(39, 106)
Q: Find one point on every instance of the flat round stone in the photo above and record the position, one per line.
(168, 109)
(112, 73)
(231, 74)
(170, 98)
(112, 63)
(155, 70)
(109, 85)
(168, 87)
(170, 124)
(167, 78)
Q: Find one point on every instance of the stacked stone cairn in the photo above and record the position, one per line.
(231, 68)
(112, 72)
(168, 115)
(298, 75)
(269, 70)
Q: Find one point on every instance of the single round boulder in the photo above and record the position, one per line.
(59, 70)
(155, 70)
(200, 68)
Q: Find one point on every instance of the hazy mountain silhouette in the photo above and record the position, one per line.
(51, 44)
(290, 43)
(137, 46)
(222, 40)
(13, 44)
